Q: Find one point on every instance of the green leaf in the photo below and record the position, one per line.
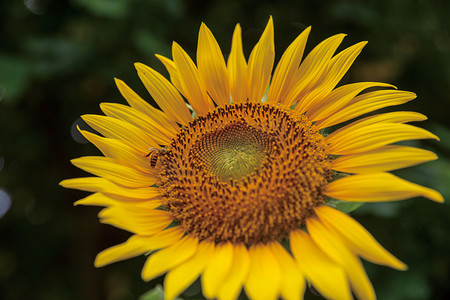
(154, 294)
(344, 206)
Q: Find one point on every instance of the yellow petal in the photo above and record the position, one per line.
(339, 65)
(293, 282)
(312, 67)
(118, 129)
(260, 64)
(102, 185)
(333, 246)
(217, 270)
(141, 105)
(139, 221)
(211, 67)
(237, 68)
(370, 137)
(362, 104)
(164, 94)
(331, 76)
(130, 115)
(232, 284)
(377, 187)
(120, 151)
(109, 169)
(169, 258)
(387, 158)
(264, 277)
(99, 199)
(137, 245)
(392, 117)
(357, 237)
(193, 86)
(96, 199)
(284, 75)
(178, 279)
(173, 73)
(327, 277)
(332, 103)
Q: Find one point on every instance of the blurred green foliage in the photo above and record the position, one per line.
(58, 60)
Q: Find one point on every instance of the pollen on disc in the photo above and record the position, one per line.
(249, 172)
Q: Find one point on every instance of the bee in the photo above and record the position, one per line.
(154, 154)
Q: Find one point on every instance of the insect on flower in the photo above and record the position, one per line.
(154, 154)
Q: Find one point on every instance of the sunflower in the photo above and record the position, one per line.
(239, 187)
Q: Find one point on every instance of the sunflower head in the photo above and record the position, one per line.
(233, 180)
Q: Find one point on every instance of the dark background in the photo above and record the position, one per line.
(58, 59)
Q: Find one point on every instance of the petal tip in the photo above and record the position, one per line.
(437, 197)
(402, 267)
(97, 262)
(175, 45)
(140, 67)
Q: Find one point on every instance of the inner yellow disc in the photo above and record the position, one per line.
(232, 152)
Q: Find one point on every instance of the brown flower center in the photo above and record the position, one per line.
(249, 172)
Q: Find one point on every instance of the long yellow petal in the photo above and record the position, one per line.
(169, 258)
(120, 151)
(140, 221)
(339, 66)
(391, 117)
(109, 169)
(293, 283)
(332, 103)
(260, 64)
(102, 185)
(373, 136)
(312, 67)
(232, 284)
(264, 277)
(284, 75)
(387, 158)
(155, 131)
(137, 245)
(217, 270)
(211, 67)
(178, 279)
(377, 187)
(173, 73)
(164, 94)
(333, 246)
(237, 68)
(96, 199)
(193, 86)
(331, 76)
(362, 104)
(327, 277)
(100, 199)
(118, 129)
(357, 237)
(141, 105)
